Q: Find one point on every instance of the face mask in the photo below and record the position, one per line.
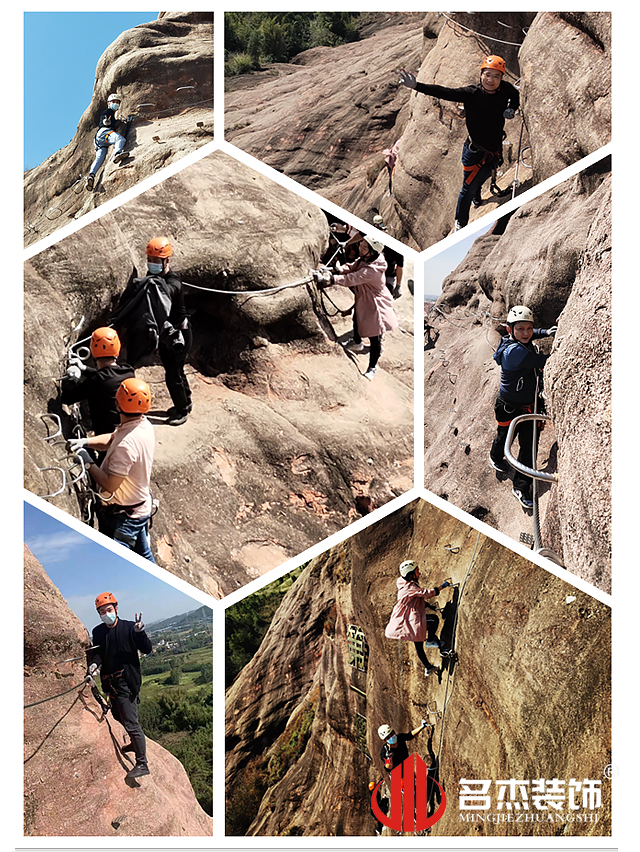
(108, 618)
(154, 268)
(114, 106)
(392, 740)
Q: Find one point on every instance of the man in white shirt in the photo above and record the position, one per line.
(124, 475)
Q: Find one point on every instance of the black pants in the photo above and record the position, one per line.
(375, 344)
(524, 431)
(124, 707)
(478, 165)
(174, 375)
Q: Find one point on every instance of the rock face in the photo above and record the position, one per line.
(163, 71)
(554, 255)
(74, 773)
(560, 62)
(528, 697)
(285, 434)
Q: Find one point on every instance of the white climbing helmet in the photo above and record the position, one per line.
(519, 313)
(375, 245)
(384, 731)
(407, 567)
(114, 97)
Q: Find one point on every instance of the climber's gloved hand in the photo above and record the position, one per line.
(73, 372)
(93, 669)
(509, 113)
(74, 444)
(139, 623)
(407, 79)
(445, 584)
(425, 723)
(86, 457)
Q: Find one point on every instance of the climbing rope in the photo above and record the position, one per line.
(265, 292)
(455, 23)
(82, 684)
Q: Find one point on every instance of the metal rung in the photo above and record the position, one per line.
(64, 481)
(57, 422)
(527, 538)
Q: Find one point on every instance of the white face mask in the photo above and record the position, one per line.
(154, 268)
(108, 618)
(114, 106)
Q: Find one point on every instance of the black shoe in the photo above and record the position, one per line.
(138, 771)
(523, 498)
(501, 467)
(477, 201)
(121, 156)
(128, 747)
(90, 181)
(177, 418)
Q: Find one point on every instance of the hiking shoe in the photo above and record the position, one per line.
(177, 418)
(370, 374)
(501, 467)
(354, 346)
(523, 498)
(430, 670)
(91, 179)
(477, 201)
(397, 292)
(138, 771)
(128, 747)
(121, 156)
(457, 226)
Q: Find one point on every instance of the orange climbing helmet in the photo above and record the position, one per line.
(159, 247)
(106, 598)
(105, 343)
(133, 396)
(496, 63)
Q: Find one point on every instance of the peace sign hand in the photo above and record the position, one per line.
(139, 625)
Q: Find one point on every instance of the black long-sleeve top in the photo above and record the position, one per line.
(99, 388)
(172, 286)
(484, 111)
(118, 648)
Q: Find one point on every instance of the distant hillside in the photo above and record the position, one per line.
(203, 613)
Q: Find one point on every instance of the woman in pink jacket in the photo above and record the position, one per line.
(408, 620)
(373, 310)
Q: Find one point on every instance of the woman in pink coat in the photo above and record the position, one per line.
(408, 620)
(373, 313)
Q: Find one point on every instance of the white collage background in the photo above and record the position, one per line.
(626, 562)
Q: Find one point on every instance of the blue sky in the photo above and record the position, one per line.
(81, 569)
(437, 268)
(61, 52)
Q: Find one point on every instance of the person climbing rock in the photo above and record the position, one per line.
(395, 263)
(486, 105)
(97, 385)
(123, 477)
(153, 312)
(373, 305)
(108, 134)
(118, 644)
(395, 751)
(521, 366)
(381, 800)
(408, 621)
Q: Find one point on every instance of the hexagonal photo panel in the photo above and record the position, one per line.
(375, 110)
(277, 367)
(518, 428)
(151, 104)
(419, 678)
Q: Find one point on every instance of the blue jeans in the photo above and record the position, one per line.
(478, 165)
(103, 139)
(132, 532)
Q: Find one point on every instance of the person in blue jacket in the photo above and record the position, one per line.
(520, 362)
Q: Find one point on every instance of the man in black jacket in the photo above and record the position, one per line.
(153, 311)
(118, 646)
(98, 385)
(486, 105)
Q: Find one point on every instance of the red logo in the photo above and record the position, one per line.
(408, 797)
